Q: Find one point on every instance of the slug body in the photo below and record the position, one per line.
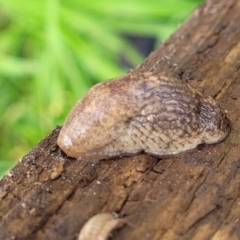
(100, 226)
(145, 112)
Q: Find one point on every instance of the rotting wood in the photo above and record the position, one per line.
(195, 195)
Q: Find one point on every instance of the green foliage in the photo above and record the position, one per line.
(5, 166)
(52, 52)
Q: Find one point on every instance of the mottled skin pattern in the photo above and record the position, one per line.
(144, 112)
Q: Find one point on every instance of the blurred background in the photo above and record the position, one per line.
(53, 51)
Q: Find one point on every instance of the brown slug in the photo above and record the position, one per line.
(141, 112)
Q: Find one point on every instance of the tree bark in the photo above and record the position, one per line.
(194, 195)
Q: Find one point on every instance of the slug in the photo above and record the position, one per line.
(141, 112)
(100, 226)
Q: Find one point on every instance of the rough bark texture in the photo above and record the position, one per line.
(194, 195)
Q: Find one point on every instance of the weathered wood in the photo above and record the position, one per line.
(194, 195)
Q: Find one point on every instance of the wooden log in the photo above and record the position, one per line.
(194, 195)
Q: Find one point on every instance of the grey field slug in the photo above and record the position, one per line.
(100, 226)
(141, 112)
